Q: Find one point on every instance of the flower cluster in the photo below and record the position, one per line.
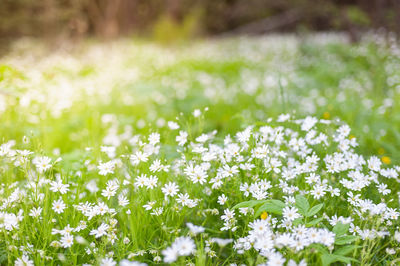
(275, 188)
(165, 179)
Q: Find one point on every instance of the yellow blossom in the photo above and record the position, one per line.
(264, 215)
(386, 160)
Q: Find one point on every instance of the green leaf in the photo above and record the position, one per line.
(297, 221)
(278, 203)
(314, 222)
(345, 239)
(3, 253)
(271, 206)
(302, 204)
(248, 204)
(321, 248)
(340, 229)
(346, 250)
(344, 259)
(327, 259)
(314, 210)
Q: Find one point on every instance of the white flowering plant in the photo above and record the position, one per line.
(216, 154)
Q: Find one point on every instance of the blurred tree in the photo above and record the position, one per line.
(111, 18)
(103, 15)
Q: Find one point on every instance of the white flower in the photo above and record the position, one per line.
(397, 236)
(109, 192)
(9, 221)
(195, 229)
(382, 188)
(139, 157)
(183, 199)
(149, 205)
(106, 168)
(170, 189)
(374, 164)
(67, 241)
(326, 237)
(24, 261)
(173, 125)
(318, 191)
(141, 180)
(196, 113)
(131, 263)
(181, 138)
(199, 175)
(35, 212)
(92, 186)
(202, 138)
(275, 259)
(170, 254)
(221, 242)
(154, 138)
(151, 182)
(283, 117)
(122, 200)
(343, 131)
(290, 213)
(109, 150)
(222, 199)
(58, 186)
(107, 262)
(58, 206)
(184, 245)
(100, 231)
(228, 215)
(244, 136)
(158, 211)
(42, 163)
(308, 123)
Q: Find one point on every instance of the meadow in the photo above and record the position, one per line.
(275, 150)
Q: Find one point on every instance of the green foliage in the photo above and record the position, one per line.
(345, 250)
(302, 204)
(248, 204)
(138, 88)
(270, 206)
(340, 229)
(358, 16)
(314, 222)
(314, 210)
(304, 207)
(167, 30)
(3, 253)
(8, 73)
(328, 259)
(345, 239)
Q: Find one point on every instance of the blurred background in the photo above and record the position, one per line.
(172, 20)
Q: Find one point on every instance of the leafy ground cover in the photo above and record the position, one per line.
(278, 150)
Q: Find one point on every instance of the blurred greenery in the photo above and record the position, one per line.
(167, 30)
(239, 78)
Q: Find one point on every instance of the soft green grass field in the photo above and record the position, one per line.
(99, 103)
